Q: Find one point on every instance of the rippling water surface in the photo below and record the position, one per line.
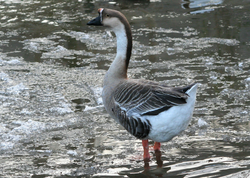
(52, 121)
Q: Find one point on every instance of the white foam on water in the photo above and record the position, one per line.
(37, 45)
(79, 35)
(16, 89)
(13, 61)
(17, 1)
(72, 153)
(15, 104)
(25, 111)
(63, 109)
(27, 127)
(24, 128)
(98, 98)
(57, 52)
(4, 77)
(87, 108)
(98, 94)
(202, 123)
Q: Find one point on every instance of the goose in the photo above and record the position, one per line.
(146, 109)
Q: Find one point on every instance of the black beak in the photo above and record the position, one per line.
(95, 22)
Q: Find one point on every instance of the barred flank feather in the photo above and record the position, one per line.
(136, 126)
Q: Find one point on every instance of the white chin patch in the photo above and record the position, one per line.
(100, 12)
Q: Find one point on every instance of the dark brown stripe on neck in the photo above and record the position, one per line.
(123, 19)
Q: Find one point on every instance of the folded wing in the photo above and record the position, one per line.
(148, 98)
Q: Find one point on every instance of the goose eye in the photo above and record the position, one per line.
(108, 15)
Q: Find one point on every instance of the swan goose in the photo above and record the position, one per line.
(146, 109)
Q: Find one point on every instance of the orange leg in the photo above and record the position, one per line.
(157, 146)
(158, 158)
(146, 155)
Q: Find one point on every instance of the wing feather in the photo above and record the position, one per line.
(147, 98)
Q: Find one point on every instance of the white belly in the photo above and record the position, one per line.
(172, 122)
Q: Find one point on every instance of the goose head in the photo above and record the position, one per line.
(118, 23)
(109, 18)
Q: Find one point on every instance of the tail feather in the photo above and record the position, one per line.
(192, 91)
(186, 88)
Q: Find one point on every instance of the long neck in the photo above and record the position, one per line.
(119, 66)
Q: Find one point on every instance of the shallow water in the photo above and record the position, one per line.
(53, 123)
